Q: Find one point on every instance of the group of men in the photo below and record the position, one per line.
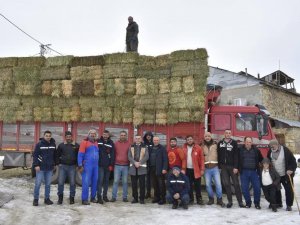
(174, 173)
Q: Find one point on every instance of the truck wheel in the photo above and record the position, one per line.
(54, 178)
(78, 178)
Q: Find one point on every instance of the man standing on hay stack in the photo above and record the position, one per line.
(132, 31)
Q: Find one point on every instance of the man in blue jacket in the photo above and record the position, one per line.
(43, 163)
(106, 163)
(178, 188)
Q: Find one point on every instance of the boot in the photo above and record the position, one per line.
(105, 199)
(48, 201)
(229, 205)
(72, 200)
(175, 204)
(210, 201)
(60, 199)
(274, 208)
(220, 202)
(100, 201)
(200, 201)
(35, 202)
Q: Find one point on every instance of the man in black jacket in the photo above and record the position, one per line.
(67, 160)
(43, 163)
(132, 31)
(228, 158)
(148, 141)
(158, 163)
(285, 165)
(106, 163)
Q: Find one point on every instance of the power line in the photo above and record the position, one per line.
(42, 46)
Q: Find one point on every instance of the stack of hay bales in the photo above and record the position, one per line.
(113, 88)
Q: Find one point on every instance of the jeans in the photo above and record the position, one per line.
(64, 172)
(247, 177)
(194, 184)
(120, 171)
(42, 176)
(134, 184)
(89, 179)
(185, 199)
(103, 180)
(213, 174)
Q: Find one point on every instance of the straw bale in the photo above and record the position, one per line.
(97, 113)
(8, 115)
(162, 60)
(130, 86)
(56, 88)
(107, 114)
(188, 84)
(164, 85)
(195, 101)
(109, 86)
(59, 61)
(180, 55)
(27, 74)
(118, 71)
(176, 85)
(8, 62)
(66, 114)
(43, 114)
(141, 86)
(34, 101)
(57, 113)
(200, 84)
(47, 87)
(161, 117)
(162, 101)
(184, 115)
(67, 88)
(31, 61)
(9, 101)
(65, 102)
(117, 115)
(173, 116)
(6, 74)
(75, 113)
(7, 87)
(112, 101)
(152, 86)
(87, 61)
(144, 101)
(178, 100)
(27, 89)
(125, 101)
(119, 86)
(24, 114)
(87, 87)
(149, 116)
(127, 115)
(55, 73)
(86, 114)
(138, 117)
(99, 87)
(147, 61)
(86, 72)
(89, 102)
(117, 58)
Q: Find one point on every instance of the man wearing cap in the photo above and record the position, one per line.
(67, 160)
(178, 188)
(132, 31)
(285, 164)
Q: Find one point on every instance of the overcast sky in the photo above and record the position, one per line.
(260, 35)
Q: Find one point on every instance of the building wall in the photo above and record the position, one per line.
(292, 138)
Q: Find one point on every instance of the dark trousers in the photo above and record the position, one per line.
(226, 176)
(134, 185)
(195, 184)
(103, 180)
(148, 183)
(270, 193)
(159, 185)
(289, 194)
(132, 46)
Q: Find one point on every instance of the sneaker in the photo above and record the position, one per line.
(289, 208)
(48, 201)
(85, 202)
(210, 201)
(72, 200)
(229, 205)
(257, 206)
(125, 200)
(220, 202)
(134, 201)
(105, 199)
(113, 200)
(35, 202)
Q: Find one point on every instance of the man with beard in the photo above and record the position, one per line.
(209, 147)
(195, 168)
(176, 156)
(148, 141)
(132, 31)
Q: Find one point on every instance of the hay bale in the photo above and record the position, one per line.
(144, 101)
(152, 86)
(65, 102)
(130, 86)
(164, 85)
(34, 101)
(112, 101)
(97, 113)
(86, 72)
(6, 74)
(66, 114)
(75, 113)
(117, 115)
(184, 115)
(89, 102)
(42, 114)
(87, 61)
(197, 115)
(138, 117)
(141, 86)
(27, 74)
(8, 62)
(200, 85)
(161, 117)
(57, 114)
(99, 87)
(188, 84)
(8, 115)
(109, 86)
(178, 101)
(118, 71)
(127, 115)
(107, 114)
(56, 88)
(119, 86)
(9, 101)
(117, 58)
(55, 73)
(27, 89)
(173, 116)
(162, 101)
(47, 87)
(24, 114)
(125, 101)
(31, 61)
(59, 61)
(86, 114)
(162, 60)
(82, 87)
(149, 116)
(7, 87)
(67, 88)
(181, 55)
(176, 84)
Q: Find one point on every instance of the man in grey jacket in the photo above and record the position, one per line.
(138, 156)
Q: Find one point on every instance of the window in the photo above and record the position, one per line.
(26, 138)
(240, 102)
(222, 121)
(245, 122)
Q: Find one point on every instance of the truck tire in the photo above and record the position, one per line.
(78, 178)
(54, 178)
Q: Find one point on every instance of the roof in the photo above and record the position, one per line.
(291, 123)
(283, 78)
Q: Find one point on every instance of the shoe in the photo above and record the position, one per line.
(60, 199)
(220, 202)
(100, 201)
(148, 195)
(200, 201)
(229, 205)
(105, 199)
(35, 202)
(185, 206)
(274, 209)
(241, 205)
(134, 201)
(155, 200)
(113, 200)
(210, 201)
(72, 200)
(279, 205)
(142, 202)
(93, 200)
(248, 206)
(125, 200)
(175, 205)
(162, 202)
(85, 202)
(48, 201)
(257, 206)
(289, 208)
(191, 202)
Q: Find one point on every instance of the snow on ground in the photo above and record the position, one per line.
(21, 211)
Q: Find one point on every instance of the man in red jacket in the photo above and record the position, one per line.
(195, 167)
(176, 156)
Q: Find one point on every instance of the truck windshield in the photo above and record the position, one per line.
(252, 122)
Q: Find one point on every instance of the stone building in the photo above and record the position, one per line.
(275, 91)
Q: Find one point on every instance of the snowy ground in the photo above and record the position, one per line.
(21, 211)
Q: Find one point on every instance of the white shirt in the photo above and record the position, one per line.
(266, 178)
(189, 157)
